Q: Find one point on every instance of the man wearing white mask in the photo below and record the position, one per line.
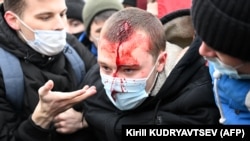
(137, 85)
(33, 32)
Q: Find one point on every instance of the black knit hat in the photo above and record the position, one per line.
(130, 2)
(75, 8)
(224, 25)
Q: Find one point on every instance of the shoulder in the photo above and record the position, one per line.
(73, 41)
(88, 58)
(93, 76)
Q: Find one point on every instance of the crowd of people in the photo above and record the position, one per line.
(90, 67)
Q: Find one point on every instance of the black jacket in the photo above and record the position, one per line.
(186, 98)
(37, 70)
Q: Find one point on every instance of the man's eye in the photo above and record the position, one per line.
(63, 14)
(105, 68)
(75, 24)
(45, 18)
(128, 70)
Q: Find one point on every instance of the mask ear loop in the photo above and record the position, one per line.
(21, 21)
(21, 33)
(157, 74)
(153, 85)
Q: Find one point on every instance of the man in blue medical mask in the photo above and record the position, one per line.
(224, 27)
(142, 81)
(33, 31)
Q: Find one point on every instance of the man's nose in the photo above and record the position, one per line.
(206, 51)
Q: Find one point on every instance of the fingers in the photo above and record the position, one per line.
(68, 121)
(63, 115)
(88, 91)
(65, 100)
(46, 87)
(61, 128)
(52, 103)
(85, 87)
(58, 118)
(58, 124)
(81, 94)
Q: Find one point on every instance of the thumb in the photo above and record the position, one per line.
(46, 87)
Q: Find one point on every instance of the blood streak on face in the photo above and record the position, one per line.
(123, 36)
(130, 43)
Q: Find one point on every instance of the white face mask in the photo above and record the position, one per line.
(46, 42)
(125, 93)
(226, 69)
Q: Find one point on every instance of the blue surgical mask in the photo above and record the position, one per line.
(125, 93)
(46, 42)
(226, 69)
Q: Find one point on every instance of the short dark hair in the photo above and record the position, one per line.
(16, 6)
(136, 19)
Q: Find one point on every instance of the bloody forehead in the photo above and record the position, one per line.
(127, 52)
(125, 43)
(124, 31)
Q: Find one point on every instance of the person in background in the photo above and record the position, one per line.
(168, 6)
(162, 7)
(225, 45)
(152, 7)
(135, 3)
(95, 13)
(75, 24)
(136, 86)
(34, 32)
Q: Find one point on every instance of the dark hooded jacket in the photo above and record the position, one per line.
(37, 70)
(185, 97)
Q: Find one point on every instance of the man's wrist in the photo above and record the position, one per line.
(41, 118)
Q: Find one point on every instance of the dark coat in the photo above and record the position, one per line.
(37, 70)
(186, 98)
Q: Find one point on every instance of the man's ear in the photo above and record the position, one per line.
(162, 61)
(11, 20)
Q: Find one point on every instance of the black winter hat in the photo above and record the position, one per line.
(75, 8)
(130, 2)
(224, 25)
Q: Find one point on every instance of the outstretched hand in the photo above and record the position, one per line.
(51, 103)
